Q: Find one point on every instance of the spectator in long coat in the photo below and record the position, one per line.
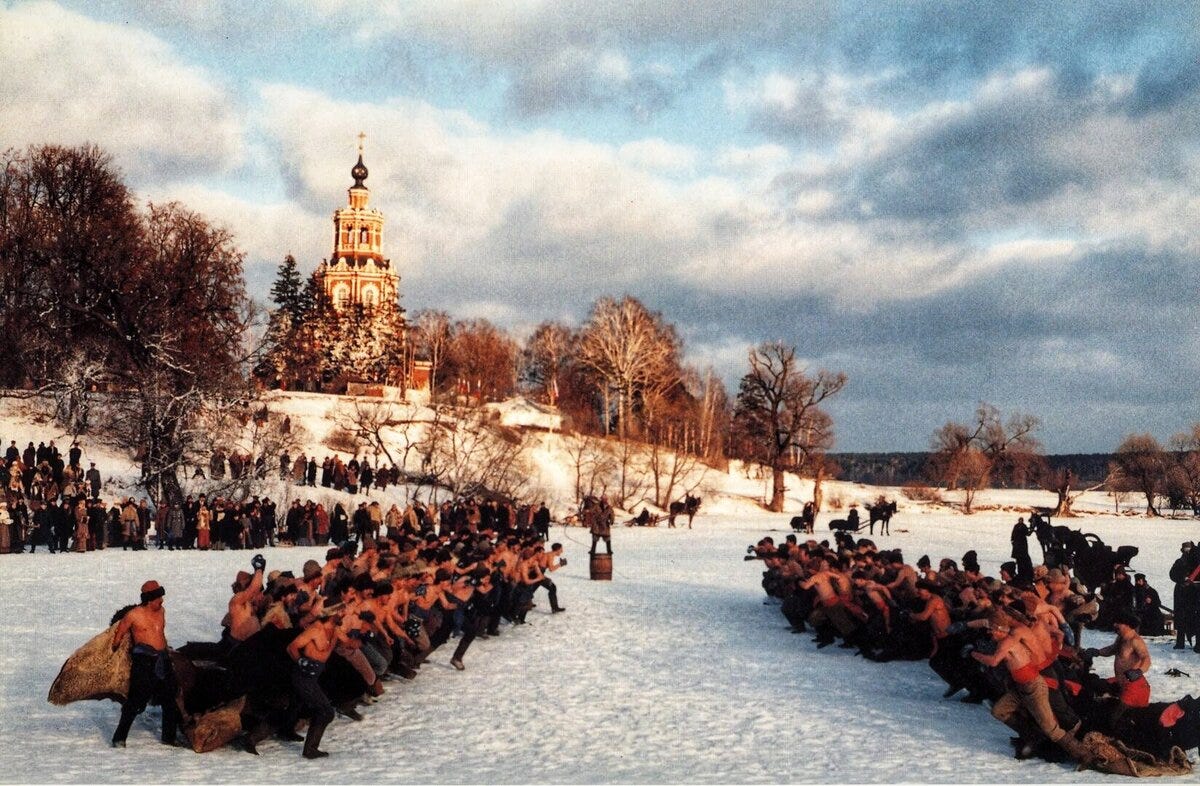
(1187, 596)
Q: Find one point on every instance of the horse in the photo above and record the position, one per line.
(882, 512)
(689, 505)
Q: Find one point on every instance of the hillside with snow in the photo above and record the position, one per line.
(546, 463)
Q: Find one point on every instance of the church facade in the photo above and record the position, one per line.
(357, 273)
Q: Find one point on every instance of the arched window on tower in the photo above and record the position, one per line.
(341, 296)
(370, 297)
(362, 236)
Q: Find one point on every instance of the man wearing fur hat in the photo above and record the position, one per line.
(1187, 604)
(150, 672)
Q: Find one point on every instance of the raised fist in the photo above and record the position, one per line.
(258, 562)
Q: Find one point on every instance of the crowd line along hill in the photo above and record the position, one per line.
(541, 461)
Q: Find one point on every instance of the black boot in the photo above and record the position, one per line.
(311, 742)
(1179, 640)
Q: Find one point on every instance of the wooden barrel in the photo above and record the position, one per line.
(601, 567)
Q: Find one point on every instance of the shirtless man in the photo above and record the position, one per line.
(247, 592)
(551, 561)
(905, 583)
(309, 652)
(150, 672)
(934, 612)
(1130, 665)
(830, 586)
(1018, 651)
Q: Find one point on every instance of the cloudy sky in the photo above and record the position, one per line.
(951, 202)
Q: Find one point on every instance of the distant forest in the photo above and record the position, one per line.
(899, 469)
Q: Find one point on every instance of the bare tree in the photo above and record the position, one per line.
(969, 455)
(470, 455)
(630, 349)
(1144, 463)
(592, 464)
(777, 418)
(547, 353)
(712, 421)
(674, 473)
(482, 361)
(159, 295)
(432, 336)
(1186, 449)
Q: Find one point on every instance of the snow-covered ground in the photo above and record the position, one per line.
(675, 671)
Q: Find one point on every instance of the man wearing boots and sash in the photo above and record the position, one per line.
(1028, 698)
(310, 651)
(150, 673)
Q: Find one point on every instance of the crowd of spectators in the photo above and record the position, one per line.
(55, 504)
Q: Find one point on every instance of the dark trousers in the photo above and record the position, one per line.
(473, 625)
(1024, 565)
(551, 590)
(150, 676)
(607, 543)
(307, 695)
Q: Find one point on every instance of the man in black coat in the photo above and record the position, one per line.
(1148, 606)
(541, 522)
(1020, 549)
(361, 521)
(1187, 596)
(93, 478)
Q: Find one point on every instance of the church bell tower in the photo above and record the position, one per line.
(357, 274)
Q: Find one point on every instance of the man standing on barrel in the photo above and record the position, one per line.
(600, 521)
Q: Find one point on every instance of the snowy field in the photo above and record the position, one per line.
(675, 671)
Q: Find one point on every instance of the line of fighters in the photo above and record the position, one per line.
(1012, 641)
(308, 647)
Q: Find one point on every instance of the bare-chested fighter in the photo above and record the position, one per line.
(1130, 665)
(310, 651)
(934, 612)
(244, 621)
(830, 586)
(1019, 651)
(150, 673)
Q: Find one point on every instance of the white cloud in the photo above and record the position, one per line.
(659, 154)
(463, 199)
(67, 79)
(760, 159)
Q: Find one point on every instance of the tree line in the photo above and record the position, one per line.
(148, 305)
(98, 293)
(993, 450)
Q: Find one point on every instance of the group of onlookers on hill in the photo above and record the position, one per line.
(356, 476)
(1014, 640)
(38, 479)
(86, 524)
(55, 503)
(324, 640)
